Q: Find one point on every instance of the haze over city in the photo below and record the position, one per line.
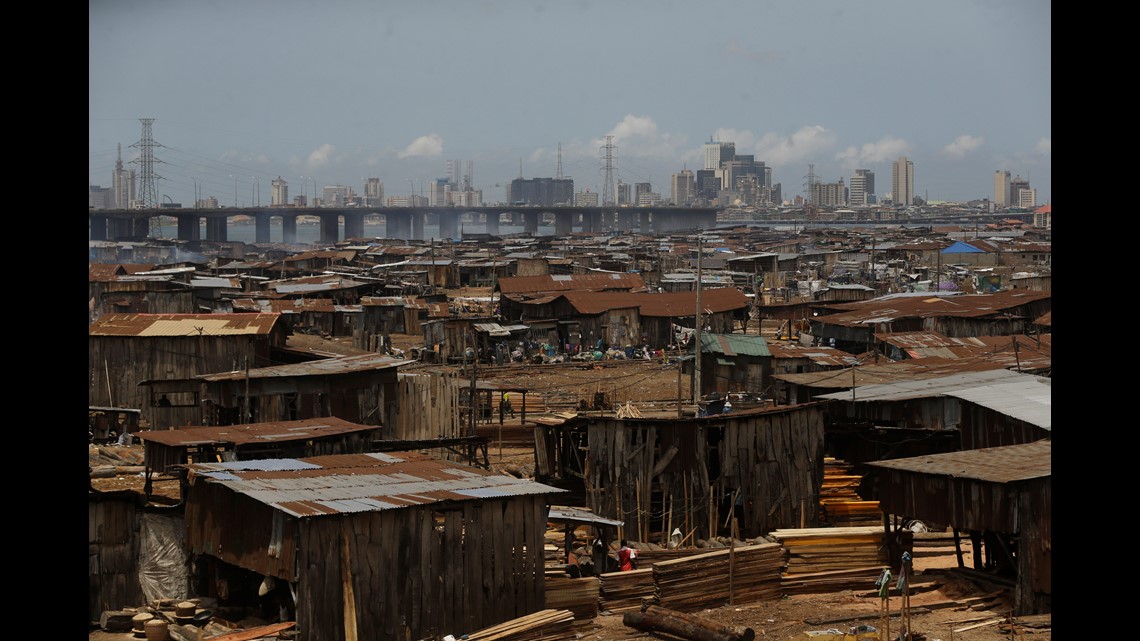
(335, 93)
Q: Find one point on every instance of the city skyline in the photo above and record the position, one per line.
(353, 91)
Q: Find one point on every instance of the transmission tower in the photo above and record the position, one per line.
(558, 172)
(811, 180)
(608, 185)
(148, 192)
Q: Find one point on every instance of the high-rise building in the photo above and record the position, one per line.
(334, 196)
(586, 199)
(623, 197)
(683, 187)
(279, 193)
(640, 188)
(862, 189)
(545, 192)
(902, 181)
(718, 152)
(829, 194)
(1001, 188)
(1027, 197)
(1016, 186)
(122, 184)
(373, 193)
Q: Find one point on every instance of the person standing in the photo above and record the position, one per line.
(627, 557)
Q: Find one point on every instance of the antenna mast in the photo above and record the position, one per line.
(608, 186)
(148, 194)
(558, 172)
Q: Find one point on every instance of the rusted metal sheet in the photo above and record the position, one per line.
(994, 465)
(280, 431)
(321, 367)
(183, 324)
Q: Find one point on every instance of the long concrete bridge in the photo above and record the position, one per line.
(405, 223)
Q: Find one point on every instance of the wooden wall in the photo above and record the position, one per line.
(421, 571)
(657, 475)
(427, 406)
(112, 554)
(239, 530)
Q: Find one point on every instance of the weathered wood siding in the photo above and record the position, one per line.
(112, 554)
(240, 530)
(427, 406)
(657, 475)
(1035, 548)
(418, 572)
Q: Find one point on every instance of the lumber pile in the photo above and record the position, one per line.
(744, 574)
(580, 596)
(547, 625)
(839, 502)
(625, 591)
(648, 557)
(835, 558)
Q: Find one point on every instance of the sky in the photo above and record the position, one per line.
(332, 92)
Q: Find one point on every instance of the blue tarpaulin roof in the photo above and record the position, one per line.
(962, 248)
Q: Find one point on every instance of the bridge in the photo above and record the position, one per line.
(406, 223)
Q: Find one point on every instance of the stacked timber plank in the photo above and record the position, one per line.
(839, 501)
(625, 591)
(745, 574)
(547, 625)
(580, 596)
(832, 558)
(648, 557)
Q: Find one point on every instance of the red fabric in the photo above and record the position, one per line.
(625, 559)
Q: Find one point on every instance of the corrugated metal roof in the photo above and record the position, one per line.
(278, 431)
(1021, 396)
(669, 304)
(1006, 464)
(322, 367)
(734, 344)
(882, 310)
(183, 324)
(565, 514)
(820, 355)
(569, 282)
(361, 482)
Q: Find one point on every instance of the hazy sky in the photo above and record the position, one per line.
(336, 91)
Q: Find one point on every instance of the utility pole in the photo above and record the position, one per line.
(697, 331)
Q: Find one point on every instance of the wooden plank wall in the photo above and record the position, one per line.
(1035, 556)
(420, 572)
(427, 406)
(237, 530)
(774, 460)
(112, 553)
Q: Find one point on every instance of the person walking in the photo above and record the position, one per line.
(627, 557)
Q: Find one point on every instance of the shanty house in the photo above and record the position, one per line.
(1000, 496)
(386, 546)
(124, 350)
(763, 467)
(734, 363)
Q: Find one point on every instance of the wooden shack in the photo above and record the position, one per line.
(1001, 497)
(381, 546)
(762, 467)
(125, 350)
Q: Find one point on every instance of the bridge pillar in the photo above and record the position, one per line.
(98, 227)
(492, 223)
(644, 224)
(449, 223)
(625, 217)
(289, 229)
(261, 228)
(563, 223)
(417, 228)
(397, 225)
(216, 229)
(189, 227)
(140, 228)
(530, 222)
(330, 228)
(353, 226)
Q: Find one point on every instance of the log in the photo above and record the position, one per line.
(675, 626)
(738, 632)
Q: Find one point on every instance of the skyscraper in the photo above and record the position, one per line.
(373, 193)
(902, 181)
(279, 193)
(1016, 186)
(862, 188)
(1001, 188)
(122, 184)
(718, 152)
(683, 186)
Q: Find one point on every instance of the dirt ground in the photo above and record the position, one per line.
(653, 387)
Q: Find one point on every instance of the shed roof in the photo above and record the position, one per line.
(277, 432)
(322, 367)
(879, 310)
(1006, 464)
(668, 304)
(570, 282)
(348, 483)
(734, 344)
(152, 325)
(1022, 396)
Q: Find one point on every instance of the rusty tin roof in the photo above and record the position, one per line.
(183, 324)
(277, 431)
(321, 367)
(348, 483)
(1007, 464)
